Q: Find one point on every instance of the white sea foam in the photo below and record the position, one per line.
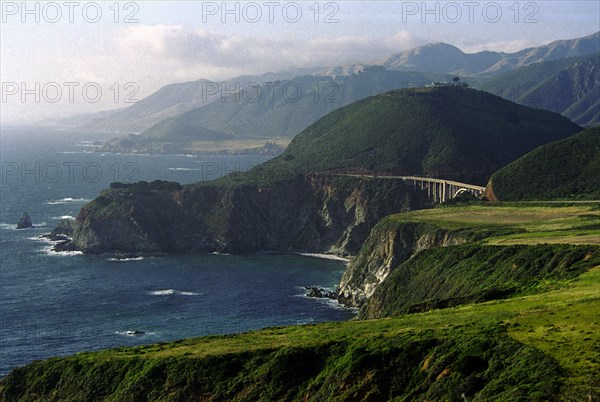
(126, 259)
(133, 333)
(13, 226)
(324, 300)
(50, 251)
(63, 217)
(324, 256)
(184, 169)
(68, 200)
(167, 292)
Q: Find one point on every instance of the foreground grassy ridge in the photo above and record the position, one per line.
(535, 347)
(574, 224)
(540, 344)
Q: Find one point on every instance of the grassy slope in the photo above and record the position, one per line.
(472, 273)
(278, 110)
(457, 133)
(562, 85)
(506, 256)
(528, 347)
(536, 224)
(566, 169)
(434, 355)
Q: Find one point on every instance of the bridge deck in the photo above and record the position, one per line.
(422, 179)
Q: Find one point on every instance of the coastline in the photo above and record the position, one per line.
(323, 256)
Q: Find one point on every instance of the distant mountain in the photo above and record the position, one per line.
(176, 99)
(566, 169)
(274, 110)
(444, 58)
(170, 100)
(568, 86)
(449, 132)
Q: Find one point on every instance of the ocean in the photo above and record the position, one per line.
(55, 304)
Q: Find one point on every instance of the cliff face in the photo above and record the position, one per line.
(308, 213)
(473, 273)
(413, 266)
(389, 245)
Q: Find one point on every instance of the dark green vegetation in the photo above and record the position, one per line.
(456, 133)
(411, 365)
(568, 86)
(563, 170)
(443, 256)
(515, 322)
(317, 213)
(473, 273)
(535, 347)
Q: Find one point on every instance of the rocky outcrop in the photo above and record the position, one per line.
(25, 221)
(307, 213)
(390, 244)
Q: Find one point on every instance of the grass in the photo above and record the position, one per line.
(563, 324)
(458, 133)
(574, 224)
(539, 344)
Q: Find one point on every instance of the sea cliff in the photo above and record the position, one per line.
(315, 213)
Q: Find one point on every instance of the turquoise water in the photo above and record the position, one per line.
(56, 304)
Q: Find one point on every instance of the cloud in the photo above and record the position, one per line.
(192, 51)
(511, 46)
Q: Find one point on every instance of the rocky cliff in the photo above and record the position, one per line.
(306, 213)
(388, 246)
(426, 260)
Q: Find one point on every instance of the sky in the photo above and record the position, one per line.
(62, 58)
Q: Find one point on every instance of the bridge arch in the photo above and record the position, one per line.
(464, 190)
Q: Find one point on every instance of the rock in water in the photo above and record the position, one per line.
(25, 221)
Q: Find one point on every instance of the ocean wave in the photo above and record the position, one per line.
(332, 303)
(184, 169)
(67, 200)
(9, 226)
(133, 333)
(126, 259)
(167, 292)
(324, 256)
(63, 217)
(50, 251)
(13, 226)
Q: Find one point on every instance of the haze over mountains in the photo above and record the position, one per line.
(569, 86)
(561, 76)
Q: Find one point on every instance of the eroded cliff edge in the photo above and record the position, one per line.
(428, 259)
(317, 213)
(390, 244)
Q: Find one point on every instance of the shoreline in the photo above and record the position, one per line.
(323, 256)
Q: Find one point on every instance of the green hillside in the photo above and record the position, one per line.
(245, 115)
(449, 132)
(566, 169)
(285, 108)
(568, 86)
